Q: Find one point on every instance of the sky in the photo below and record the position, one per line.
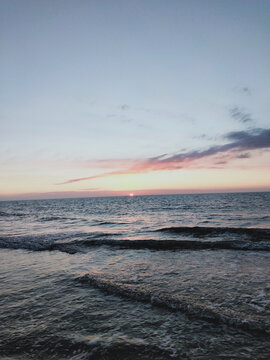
(102, 97)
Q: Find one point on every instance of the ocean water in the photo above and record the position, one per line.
(148, 277)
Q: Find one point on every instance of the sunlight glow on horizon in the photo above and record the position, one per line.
(184, 181)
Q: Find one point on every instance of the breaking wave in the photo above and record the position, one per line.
(180, 244)
(255, 234)
(77, 242)
(173, 303)
(44, 242)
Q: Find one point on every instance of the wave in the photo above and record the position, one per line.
(179, 244)
(42, 242)
(39, 246)
(173, 303)
(6, 214)
(110, 223)
(54, 218)
(255, 234)
(84, 241)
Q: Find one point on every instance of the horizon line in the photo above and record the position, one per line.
(75, 194)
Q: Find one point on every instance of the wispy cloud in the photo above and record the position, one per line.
(203, 137)
(240, 142)
(243, 90)
(243, 156)
(240, 115)
(246, 90)
(124, 107)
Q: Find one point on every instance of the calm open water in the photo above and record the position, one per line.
(149, 277)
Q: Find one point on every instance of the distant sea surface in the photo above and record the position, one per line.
(143, 277)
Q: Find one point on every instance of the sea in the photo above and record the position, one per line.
(142, 277)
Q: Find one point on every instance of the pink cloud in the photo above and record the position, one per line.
(217, 156)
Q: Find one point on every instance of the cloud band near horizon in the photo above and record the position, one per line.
(240, 142)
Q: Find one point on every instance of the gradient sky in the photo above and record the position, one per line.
(146, 96)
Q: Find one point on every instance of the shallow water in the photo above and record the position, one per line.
(153, 277)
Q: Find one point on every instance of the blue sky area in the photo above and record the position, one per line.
(89, 87)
